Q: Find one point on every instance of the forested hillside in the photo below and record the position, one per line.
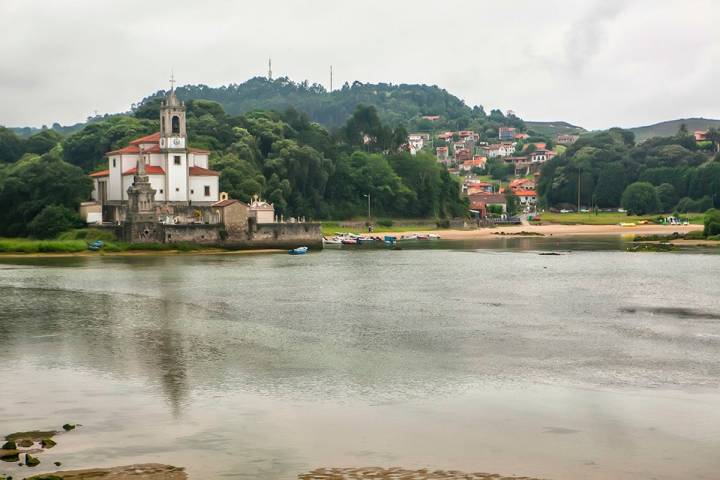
(396, 104)
(675, 173)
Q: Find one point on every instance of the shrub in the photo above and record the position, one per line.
(385, 222)
(687, 204)
(443, 223)
(640, 198)
(53, 220)
(712, 223)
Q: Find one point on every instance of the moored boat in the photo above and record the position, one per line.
(298, 251)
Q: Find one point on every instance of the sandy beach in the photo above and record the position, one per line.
(559, 230)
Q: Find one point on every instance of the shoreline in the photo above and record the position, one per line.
(554, 230)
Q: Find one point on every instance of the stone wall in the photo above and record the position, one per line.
(205, 234)
(285, 235)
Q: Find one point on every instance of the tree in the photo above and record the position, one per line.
(513, 204)
(11, 147)
(667, 197)
(35, 182)
(640, 198)
(42, 142)
(610, 186)
(712, 223)
(53, 220)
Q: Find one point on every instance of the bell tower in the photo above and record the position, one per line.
(173, 134)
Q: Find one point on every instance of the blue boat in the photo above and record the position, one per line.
(298, 251)
(96, 245)
(390, 239)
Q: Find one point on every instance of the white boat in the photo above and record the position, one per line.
(434, 236)
(408, 237)
(329, 242)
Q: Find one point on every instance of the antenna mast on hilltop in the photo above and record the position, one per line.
(270, 69)
(331, 86)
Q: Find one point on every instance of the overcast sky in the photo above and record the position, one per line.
(595, 63)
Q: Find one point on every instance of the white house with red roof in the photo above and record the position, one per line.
(178, 174)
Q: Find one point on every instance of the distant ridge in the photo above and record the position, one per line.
(554, 128)
(671, 127)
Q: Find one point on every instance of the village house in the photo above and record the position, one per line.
(478, 187)
(541, 156)
(432, 118)
(500, 150)
(446, 136)
(524, 189)
(700, 136)
(475, 162)
(462, 155)
(480, 202)
(416, 142)
(506, 133)
(521, 136)
(442, 154)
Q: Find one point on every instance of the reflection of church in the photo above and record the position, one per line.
(178, 174)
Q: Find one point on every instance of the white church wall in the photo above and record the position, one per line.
(177, 178)
(128, 162)
(114, 191)
(158, 184)
(197, 188)
(157, 159)
(199, 160)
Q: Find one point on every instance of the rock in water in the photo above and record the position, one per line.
(48, 443)
(25, 442)
(9, 455)
(68, 426)
(31, 461)
(9, 445)
(57, 464)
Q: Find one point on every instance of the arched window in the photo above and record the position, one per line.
(175, 124)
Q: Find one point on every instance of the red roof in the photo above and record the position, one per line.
(203, 172)
(149, 169)
(101, 173)
(198, 150)
(153, 138)
(128, 149)
(525, 193)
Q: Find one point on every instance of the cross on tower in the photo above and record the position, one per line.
(172, 81)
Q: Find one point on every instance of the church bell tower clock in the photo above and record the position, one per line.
(173, 135)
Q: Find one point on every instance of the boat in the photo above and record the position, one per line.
(349, 241)
(96, 245)
(409, 237)
(390, 239)
(423, 237)
(362, 240)
(298, 251)
(331, 241)
(434, 236)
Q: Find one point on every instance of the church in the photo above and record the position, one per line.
(177, 173)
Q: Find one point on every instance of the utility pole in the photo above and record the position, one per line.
(368, 197)
(331, 85)
(270, 69)
(579, 174)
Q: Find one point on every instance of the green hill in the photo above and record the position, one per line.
(671, 127)
(395, 103)
(551, 129)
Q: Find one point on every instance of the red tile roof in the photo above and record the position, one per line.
(152, 138)
(101, 173)
(203, 172)
(128, 149)
(525, 193)
(149, 169)
(198, 150)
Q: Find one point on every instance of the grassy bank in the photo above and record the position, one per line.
(27, 245)
(607, 218)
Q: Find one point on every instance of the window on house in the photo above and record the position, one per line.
(177, 189)
(192, 191)
(177, 159)
(161, 190)
(114, 163)
(207, 190)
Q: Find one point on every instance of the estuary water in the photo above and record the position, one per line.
(592, 364)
